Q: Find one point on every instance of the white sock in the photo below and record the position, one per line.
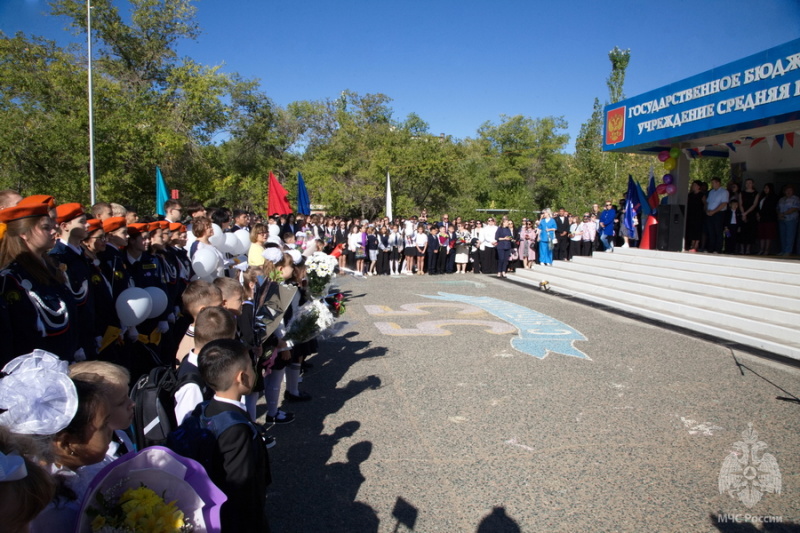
(272, 390)
(250, 402)
(293, 378)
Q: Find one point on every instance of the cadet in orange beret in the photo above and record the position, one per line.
(145, 271)
(107, 327)
(37, 309)
(111, 258)
(67, 252)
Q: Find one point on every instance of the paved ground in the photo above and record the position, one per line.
(463, 433)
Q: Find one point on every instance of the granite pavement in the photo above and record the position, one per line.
(424, 418)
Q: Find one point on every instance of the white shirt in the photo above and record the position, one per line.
(189, 396)
(353, 241)
(487, 236)
(237, 403)
(715, 198)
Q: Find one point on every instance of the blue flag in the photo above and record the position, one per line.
(632, 205)
(303, 202)
(162, 195)
(644, 206)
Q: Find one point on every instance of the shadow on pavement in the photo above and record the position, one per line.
(498, 522)
(307, 494)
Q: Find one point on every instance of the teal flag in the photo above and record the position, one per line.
(162, 195)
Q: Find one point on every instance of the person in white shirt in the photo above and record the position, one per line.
(716, 204)
(212, 323)
(488, 244)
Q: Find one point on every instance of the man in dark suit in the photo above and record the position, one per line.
(241, 220)
(562, 234)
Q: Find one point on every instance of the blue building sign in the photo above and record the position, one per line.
(760, 90)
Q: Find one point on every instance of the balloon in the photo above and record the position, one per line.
(244, 237)
(218, 238)
(663, 156)
(669, 164)
(661, 189)
(133, 306)
(674, 153)
(159, 299)
(204, 263)
(671, 189)
(232, 244)
(667, 179)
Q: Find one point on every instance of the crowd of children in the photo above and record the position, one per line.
(69, 362)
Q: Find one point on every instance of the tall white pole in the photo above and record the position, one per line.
(91, 110)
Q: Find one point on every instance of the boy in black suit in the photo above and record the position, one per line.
(432, 251)
(240, 464)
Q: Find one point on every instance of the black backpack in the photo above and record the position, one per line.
(154, 413)
(196, 437)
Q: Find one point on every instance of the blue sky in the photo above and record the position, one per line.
(460, 63)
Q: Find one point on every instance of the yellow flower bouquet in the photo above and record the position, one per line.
(152, 491)
(137, 510)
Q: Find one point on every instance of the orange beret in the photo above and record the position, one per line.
(94, 224)
(160, 224)
(136, 229)
(113, 224)
(177, 226)
(67, 212)
(24, 211)
(36, 199)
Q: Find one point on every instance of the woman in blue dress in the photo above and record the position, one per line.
(547, 235)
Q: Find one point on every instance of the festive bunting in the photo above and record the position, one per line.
(756, 141)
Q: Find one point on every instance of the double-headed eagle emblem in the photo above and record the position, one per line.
(747, 473)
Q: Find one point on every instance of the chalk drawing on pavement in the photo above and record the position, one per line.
(699, 429)
(419, 309)
(539, 334)
(438, 328)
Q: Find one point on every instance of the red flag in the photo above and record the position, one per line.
(790, 139)
(756, 141)
(277, 198)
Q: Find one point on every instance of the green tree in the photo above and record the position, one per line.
(151, 108)
(616, 81)
(43, 134)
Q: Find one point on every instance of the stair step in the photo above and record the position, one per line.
(667, 279)
(699, 318)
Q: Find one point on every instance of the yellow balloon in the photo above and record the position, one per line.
(669, 164)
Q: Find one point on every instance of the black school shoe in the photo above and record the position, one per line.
(302, 397)
(280, 418)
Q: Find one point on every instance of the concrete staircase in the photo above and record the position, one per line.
(752, 301)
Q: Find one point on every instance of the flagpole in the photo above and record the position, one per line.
(91, 109)
(389, 206)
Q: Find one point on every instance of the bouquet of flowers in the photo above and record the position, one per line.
(319, 269)
(137, 510)
(335, 302)
(309, 321)
(154, 490)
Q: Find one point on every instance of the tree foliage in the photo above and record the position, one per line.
(216, 136)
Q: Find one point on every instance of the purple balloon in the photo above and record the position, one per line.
(671, 189)
(663, 156)
(667, 179)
